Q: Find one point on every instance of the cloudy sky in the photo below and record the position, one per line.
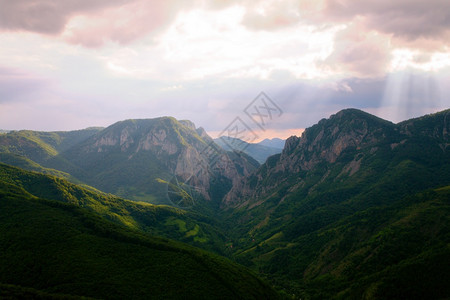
(77, 63)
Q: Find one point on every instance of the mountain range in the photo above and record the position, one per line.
(132, 158)
(356, 208)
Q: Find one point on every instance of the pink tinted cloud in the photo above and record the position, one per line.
(359, 52)
(417, 23)
(126, 20)
(88, 22)
(271, 16)
(121, 24)
(46, 16)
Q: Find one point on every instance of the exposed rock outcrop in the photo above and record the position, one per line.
(173, 148)
(347, 137)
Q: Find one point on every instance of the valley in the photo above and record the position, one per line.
(357, 207)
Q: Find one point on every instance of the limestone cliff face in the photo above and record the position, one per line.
(129, 136)
(329, 139)
(176, 148)
(348, 131)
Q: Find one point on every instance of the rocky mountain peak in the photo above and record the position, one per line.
(160, 135)
(203, 134)
(325, 141)
(188, 124)
(148, 149)
(348, 131)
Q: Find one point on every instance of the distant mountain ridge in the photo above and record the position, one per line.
(256, 150)
(274, 143)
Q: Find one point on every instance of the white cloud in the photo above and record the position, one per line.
(201, 44)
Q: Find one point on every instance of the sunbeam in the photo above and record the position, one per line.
(408, 94)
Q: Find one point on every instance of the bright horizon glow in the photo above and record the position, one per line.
(267, 134)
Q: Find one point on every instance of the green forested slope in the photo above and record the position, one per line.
(27, 164)
(39, 151)
(41, 146)
(352, 209)
(166, 221)
(61, 248)
(393, 251)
